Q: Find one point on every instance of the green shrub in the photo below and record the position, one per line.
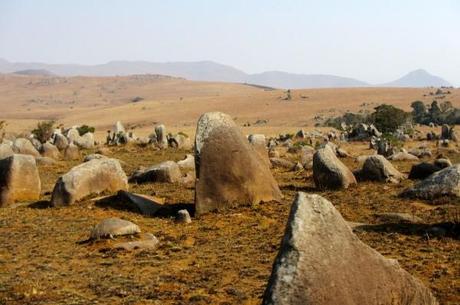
(85, 129)
(388, 118)
(44, 131)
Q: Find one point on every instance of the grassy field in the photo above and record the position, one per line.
(220, 258)
(178, 103)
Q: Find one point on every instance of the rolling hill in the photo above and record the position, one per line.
(216, 72)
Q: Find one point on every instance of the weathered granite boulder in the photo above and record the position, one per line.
(19, 179)
(92, 177)
(5, 151)
(71, 152)
(445, 182)
(329, 172)
(322, 262)
(229, 170)
(25, 147)
(377, 168)
(50, 151)
(167, 171)
(60, 141)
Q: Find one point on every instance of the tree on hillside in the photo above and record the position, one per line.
(419, 111)
(388, 118)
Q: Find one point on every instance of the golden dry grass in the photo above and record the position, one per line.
(220, 258)
(101, 101)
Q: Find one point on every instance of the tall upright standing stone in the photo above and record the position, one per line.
(160, 131)
(229, 170)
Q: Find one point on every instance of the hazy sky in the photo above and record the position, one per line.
(375, 41)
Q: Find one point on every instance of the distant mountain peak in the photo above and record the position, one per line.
(208, 70)
(419, 78)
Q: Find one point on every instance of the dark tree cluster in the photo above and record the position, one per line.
(443, 113)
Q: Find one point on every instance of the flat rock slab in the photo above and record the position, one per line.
(111, 227)
(322, 262)
(142, 204)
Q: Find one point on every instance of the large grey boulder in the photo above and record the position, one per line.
(329, 172)
(377, 168)
(25, 147)
(322, 262)
(229, 170)
(72, 152)
(86, 141)
(36, 143)
(167, 171)
(445, 182)
(92, 177)
(5, 151)
(73, 135)
(50, 151)
(19, 179)
(60, 141)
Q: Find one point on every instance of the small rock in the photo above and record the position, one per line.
(111, 227)
(183, 216)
